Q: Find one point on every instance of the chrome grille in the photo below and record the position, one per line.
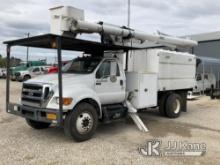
(32, 95)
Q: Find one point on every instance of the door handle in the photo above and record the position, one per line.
(98, 83)
(121, 82)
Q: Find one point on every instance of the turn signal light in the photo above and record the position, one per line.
(66, 100)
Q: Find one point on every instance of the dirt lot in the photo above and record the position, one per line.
(115, 143)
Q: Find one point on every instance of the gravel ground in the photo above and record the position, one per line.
(115, 143)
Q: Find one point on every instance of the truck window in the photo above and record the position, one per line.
(199, 77)
(36, 70)
(83, 65)
(206, 77)
(104, 70)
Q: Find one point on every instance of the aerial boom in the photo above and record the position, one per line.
(70, 19)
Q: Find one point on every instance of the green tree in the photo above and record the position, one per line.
(2, 62)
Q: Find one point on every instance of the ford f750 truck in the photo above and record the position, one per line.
(105, 87)
(96, 89)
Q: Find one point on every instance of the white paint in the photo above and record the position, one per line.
(175, 70)
(70, 19)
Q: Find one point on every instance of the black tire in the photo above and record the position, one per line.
(174, 105)
(26, 77)
(72, 124)
(37, 124)
(212, 92)
(162, 102)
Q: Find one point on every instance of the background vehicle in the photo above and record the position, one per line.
(2, 73)
(31, 72)
(54, 68)
(105, 86)
(24, 66)
(204, 82)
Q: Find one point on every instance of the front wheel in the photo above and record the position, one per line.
(37, 124)
(81, 122)
(26, 77)
(174, 105)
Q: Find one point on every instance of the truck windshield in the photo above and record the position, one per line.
(83, 65)
(30, 69)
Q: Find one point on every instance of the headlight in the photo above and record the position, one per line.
(66, 100)
(17, 74)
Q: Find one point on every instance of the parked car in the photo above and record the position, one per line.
(24, 66)
(2, 73)
(31, 72)
(204, 82)
(53, 69)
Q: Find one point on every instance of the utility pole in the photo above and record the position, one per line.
(28, 35)
(129, 12)
(128, 25)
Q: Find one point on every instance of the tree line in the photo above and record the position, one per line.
(13, 61)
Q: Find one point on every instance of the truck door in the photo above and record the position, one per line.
(110, 86)
(36, 71)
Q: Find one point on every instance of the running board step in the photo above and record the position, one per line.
(113, 112)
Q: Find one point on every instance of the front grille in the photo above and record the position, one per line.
(17, 74)
(32, 95)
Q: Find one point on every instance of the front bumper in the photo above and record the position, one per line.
(33, 113)
(18, 78)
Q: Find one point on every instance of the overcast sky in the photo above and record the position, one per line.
(174, 17)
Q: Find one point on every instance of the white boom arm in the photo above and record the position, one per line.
(70, 19)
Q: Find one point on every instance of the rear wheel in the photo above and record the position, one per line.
(37, 124)
(174, 105)
(162, 102)
(81, 123)
(212, 92)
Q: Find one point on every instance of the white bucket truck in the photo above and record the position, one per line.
(98, 89)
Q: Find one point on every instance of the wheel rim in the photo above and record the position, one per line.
(26, 78)
(176, 106)
(84, 122)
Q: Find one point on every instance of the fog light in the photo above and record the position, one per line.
(51, 116)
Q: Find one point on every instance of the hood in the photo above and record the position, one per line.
(68, 79)
(18, 68)
(22, 71)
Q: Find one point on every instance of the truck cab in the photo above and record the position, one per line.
(101, 79)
